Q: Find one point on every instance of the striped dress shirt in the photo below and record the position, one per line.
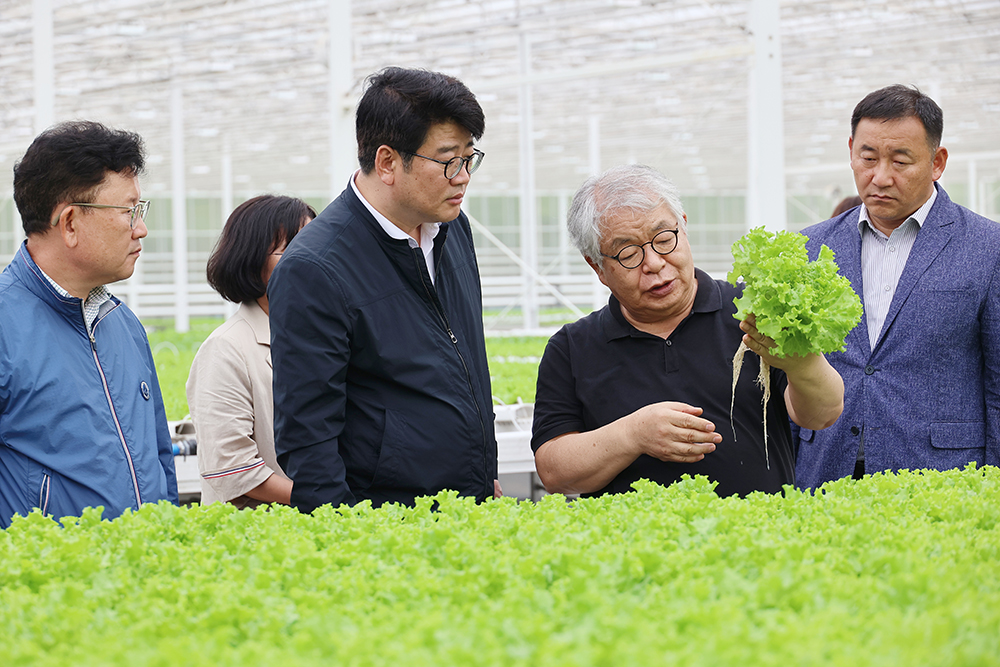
(882, 261)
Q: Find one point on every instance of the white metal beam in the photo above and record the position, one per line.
(528, 205)
(343, 148)
(765, 121)
(615, 67)
(227, 203)
(44, 68)
(182, 318)
(599, 293)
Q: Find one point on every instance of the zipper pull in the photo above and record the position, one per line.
(453, 339)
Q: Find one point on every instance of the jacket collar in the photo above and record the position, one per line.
(428, 229)
(360, 209)
(932, 238)
(398, 250)
(258, 321)
(30, 275)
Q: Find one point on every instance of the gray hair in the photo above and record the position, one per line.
(634, 187)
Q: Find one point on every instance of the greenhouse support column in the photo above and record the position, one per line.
(973, 187)
(179, 207)
(765, 119)
(343, 158)
(229, 308)
(529, 223)
(44, 68)
(599, 296)
(226, 185)
(564, 249)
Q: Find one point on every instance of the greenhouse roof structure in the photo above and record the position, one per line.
(272, 83)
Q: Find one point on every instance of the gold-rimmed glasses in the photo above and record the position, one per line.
(135, 212)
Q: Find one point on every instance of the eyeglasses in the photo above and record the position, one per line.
(135, 212)
(632, 256)
(453, 167)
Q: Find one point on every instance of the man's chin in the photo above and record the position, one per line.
(450, 212)
(128, 269)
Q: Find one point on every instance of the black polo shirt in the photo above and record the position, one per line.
(601, 368)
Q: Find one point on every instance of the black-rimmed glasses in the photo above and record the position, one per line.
(632, 256)
(135, 212)
(453, 167)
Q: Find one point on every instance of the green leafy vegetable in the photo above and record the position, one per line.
(894, 569)
(805, 307)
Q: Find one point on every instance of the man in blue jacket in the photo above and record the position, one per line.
(381, 385)
(922, 369)
(81, 418)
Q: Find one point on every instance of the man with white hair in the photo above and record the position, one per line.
(642, 387)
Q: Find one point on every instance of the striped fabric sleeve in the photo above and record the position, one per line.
(218, 474)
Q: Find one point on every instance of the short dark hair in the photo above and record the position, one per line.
(400, 105)
(899, 101)
(66, 163)
(257, 225)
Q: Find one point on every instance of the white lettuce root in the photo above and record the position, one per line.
(763, 380)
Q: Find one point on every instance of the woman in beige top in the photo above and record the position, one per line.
(229, 387)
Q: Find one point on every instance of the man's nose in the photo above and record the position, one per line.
(653, 261)
(463, 175)
(140, 230)
(882, 173)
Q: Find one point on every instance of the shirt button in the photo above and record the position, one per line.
(892, 248)
(886, 288)
(669, 343)
(869, 369)
(855, 430)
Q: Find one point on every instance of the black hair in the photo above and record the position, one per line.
(251, 233)
(400, 105)
(899, 101)
(66, 163)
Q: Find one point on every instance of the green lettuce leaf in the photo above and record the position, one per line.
(806, 307)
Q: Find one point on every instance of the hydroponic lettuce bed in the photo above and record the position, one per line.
(893, 570)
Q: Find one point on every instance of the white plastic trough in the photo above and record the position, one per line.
(514, 455)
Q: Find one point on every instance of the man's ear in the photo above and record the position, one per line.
(598, 270)
(68, 225)
(939, 162)
(387, 161)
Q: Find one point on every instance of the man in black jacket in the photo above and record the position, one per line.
(381, 384)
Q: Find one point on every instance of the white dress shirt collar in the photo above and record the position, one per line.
(428, 230)
(920, 215)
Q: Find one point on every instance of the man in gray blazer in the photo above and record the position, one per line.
(922, 370)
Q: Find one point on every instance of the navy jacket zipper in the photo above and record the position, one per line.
(439, 310)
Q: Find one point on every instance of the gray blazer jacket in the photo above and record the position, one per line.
(928, 394)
